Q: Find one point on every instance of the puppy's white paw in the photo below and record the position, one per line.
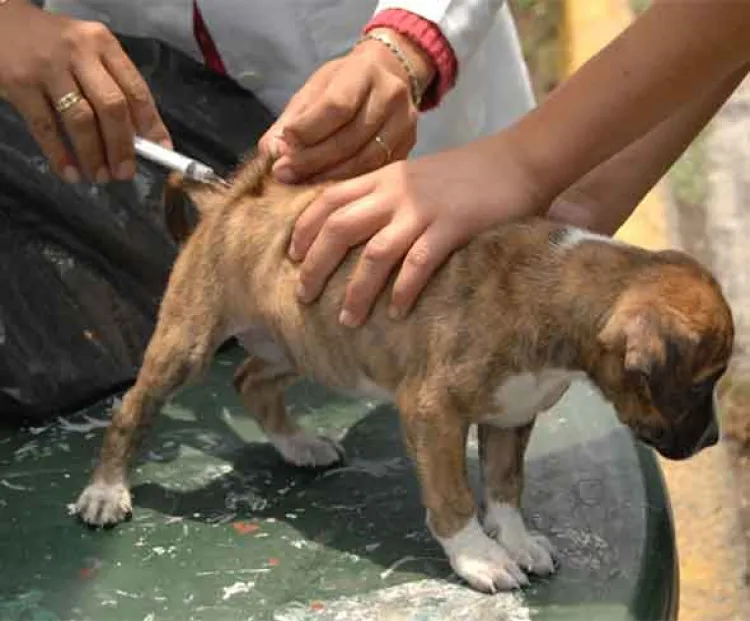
(480, 561)
(306, 451)
(534, 553)
(102, 504)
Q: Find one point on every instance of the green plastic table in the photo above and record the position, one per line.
(224, 531)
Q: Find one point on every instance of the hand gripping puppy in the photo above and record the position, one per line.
(494, 340)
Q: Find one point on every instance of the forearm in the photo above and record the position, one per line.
(604, 198)
(673, 52)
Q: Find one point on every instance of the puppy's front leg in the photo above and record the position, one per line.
(261, 385)
(436, 438)
(502, 453)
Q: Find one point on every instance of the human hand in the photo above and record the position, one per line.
(418, 212)
(43, 58)
(352, 116)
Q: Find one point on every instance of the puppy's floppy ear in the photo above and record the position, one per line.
(639, 335)
(183, 201)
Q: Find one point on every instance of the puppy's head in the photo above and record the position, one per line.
(667, 342)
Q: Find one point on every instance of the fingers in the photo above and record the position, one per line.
(329, 113)
(375, 154)
(42, 123)
(342, 230)
(372, 140)
(311, 92)
(143, 112)
(336, 148)
(312, 219)
(112, 119)
(379, 257)
(375, 207)
(352, 149)
(423, 249)
(426, 255)
(116, 105)
(81, 126)
(81, 64)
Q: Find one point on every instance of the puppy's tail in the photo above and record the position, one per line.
(184, 201)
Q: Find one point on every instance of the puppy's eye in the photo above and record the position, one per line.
(706, 385)
(702, 387)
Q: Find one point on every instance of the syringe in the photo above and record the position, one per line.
(190, 168)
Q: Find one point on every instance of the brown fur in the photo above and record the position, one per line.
(647, 328)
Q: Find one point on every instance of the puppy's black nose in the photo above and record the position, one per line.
(710, 436)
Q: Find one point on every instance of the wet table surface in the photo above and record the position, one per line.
(224, 531)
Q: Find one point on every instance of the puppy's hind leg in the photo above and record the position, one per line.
(502, 453)
(187, 334)
(261, 385)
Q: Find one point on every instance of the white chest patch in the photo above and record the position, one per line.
(522, 397)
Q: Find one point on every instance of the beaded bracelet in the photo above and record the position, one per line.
(417, 91)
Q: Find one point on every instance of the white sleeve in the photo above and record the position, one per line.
(464, 23)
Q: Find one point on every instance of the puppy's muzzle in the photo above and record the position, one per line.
(699, 431)
(710, 437)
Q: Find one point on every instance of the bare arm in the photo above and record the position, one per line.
(604, 198)
(676, 50)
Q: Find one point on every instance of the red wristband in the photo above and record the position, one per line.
(430, 39)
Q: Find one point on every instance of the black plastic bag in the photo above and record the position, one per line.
(82, 268)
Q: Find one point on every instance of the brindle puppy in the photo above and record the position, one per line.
(494, 340)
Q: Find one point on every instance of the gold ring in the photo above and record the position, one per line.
(67, 101)
(383, 145)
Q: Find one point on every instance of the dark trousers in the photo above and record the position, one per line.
(82, 268)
